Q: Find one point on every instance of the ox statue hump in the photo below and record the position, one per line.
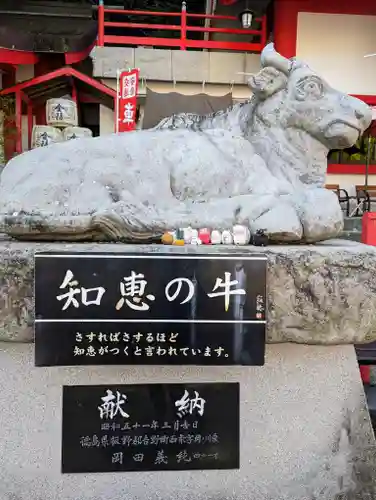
(261, 163)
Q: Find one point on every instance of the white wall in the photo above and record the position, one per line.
(335, 45)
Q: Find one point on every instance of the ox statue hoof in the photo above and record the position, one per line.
(320, 214)
(280, 222)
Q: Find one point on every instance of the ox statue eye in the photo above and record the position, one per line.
(310, 88)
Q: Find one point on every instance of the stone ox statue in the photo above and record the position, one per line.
(261, 163)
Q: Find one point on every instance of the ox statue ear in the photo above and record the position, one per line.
(267, 82)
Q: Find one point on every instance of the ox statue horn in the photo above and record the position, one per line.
(270, 57)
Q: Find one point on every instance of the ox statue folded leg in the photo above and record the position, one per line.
(261, 163)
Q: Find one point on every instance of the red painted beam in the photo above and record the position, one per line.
(342, 169)
(16, 57)
(75, 57)
(176, 27)
(368, 99)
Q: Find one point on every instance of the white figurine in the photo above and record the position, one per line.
(195, 240)
(216, 237)
(187, 232)
(227, 238)
(241, 234)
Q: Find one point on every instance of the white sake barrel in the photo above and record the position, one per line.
(44, 135)
(70, 133)
(61, 113)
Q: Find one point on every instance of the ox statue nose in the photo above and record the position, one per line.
(362, 112)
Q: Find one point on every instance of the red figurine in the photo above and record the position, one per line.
(204, 235)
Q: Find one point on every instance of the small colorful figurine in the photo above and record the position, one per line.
(241, 235)
(187, 232)
(179, 243)
(195, 240)
(260, 238)
(216, 237)
(167, 238)
(204, 235)
(227, 238)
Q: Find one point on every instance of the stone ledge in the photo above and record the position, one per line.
(318, 294)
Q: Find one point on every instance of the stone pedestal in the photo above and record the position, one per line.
(317, 294)
(305, 432)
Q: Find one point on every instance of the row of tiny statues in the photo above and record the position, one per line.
(238, 235)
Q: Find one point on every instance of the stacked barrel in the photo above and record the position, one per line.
(62, 124)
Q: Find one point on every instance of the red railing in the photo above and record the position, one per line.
(183, 42)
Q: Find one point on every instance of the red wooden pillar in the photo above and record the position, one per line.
(18, 122)
(100, 24)
(183, 28)
(286, 25)
(264, 31)
(74, 92)
(30, 123)
(9, 79)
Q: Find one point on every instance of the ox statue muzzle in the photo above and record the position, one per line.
(356, 118)
(340, 119)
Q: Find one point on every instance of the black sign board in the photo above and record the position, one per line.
(112, 309)
(150, 427)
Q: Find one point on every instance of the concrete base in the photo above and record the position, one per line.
(305, 432)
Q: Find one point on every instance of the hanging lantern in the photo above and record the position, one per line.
(246, 18)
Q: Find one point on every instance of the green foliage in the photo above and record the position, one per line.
(356, 154)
